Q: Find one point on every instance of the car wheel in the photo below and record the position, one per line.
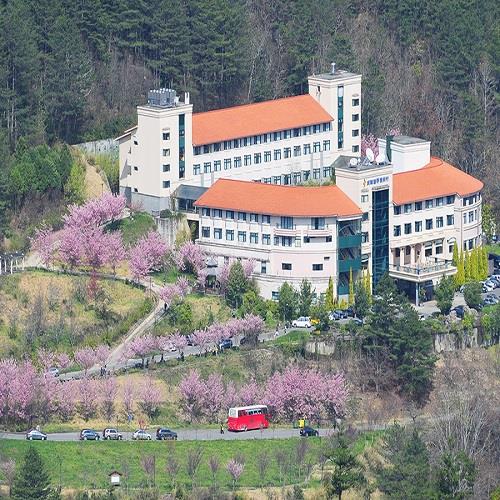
(31, 438)
(45, 438)
(85, 438)
(149, 438)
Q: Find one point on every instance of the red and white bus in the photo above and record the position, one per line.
(246, 418)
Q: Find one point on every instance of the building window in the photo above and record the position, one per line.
(296, 151)
(355, 118)
(207, 167)
(316, 147)
(329, 239)
(307, 149)
(364, 198)
(205, 232)
(418, 206)
(266, 239)
(277, 154)
(227, 163)
(254, 238)
(428, 251)
(397, 210)
(217, 146)
(205, 212)
(439, 222)
(286, 266)
(277, 179)
(237, 161)
(355, 149)
(257, 158)
(217, 166)
(397, 230)
(439, 247)
(242, 216)
(327, 127)
(267, 156)
(428, 224)
(166, 167)
(450, 200)
(275, 295)
(326, 145)
(364, 237)
(286, 223)
(242, 236)
(263, 267)
(407, 228)
(450, 220)
(429, 203)
(217, 212)
(230, 214)
(355, 133)
(166, 136)
(316, 173)
(439, 202)
(206, 149)
(307, 130)
(196, 169)
(247, 160)
(286, 241)
(407, 208)
(355, 101)
(266, 219)
(254, 217)
(218, 233)
(166, 152)
(327, 172)
(317, 267)
(418, 226)
(166, 184)
(287, 152)
(229, 235)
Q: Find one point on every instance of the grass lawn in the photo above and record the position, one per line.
(87, 464)
(493, 248)
(40, 308)
(293, 337)
(133, 227)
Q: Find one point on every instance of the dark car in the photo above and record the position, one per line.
(36, 435)
(350, 312)
(459, 311)
(226, 344)
(308, 431)
(89, 435)
(163, 434)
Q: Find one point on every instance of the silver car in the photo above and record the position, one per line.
(141, 434)
(35, 435)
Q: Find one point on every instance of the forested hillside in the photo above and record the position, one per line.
(72, 70)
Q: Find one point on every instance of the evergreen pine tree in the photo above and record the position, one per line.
(351, 288)
(32, 481)
(460, 275)
(237, 285)
(361, 299)
(287, 302)
(468, 267)
(329, 296)
(305, 297)
(474, 257)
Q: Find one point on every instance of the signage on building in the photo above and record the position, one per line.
(377, 181)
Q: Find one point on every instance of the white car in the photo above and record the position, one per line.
(53, 371)
(302, 322)
(489, 286)
(141, 434)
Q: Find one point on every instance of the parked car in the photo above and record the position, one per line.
(226, 344)
(35, 435)
(308, 431)
(488, 286)
(350, 312)
(141, 434)
(460, 311)
(53, 371)
(163, 434)
(89, 435)
(489, 301)
(493, 297)
(302, 322)
(111, 434)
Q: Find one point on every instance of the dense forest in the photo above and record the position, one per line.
(74, 70)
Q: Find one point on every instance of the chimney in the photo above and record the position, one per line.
(333, 68)
(186, 97)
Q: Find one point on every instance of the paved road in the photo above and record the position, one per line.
(189, 434)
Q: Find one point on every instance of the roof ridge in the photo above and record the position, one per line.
(248, 104)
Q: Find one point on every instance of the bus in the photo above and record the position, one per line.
(247, 418)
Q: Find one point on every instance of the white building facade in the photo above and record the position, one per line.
(239, 175)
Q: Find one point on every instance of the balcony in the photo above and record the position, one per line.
(418, 273)
(318, 230)
(344, 266)
(353, 240)
(285, 229)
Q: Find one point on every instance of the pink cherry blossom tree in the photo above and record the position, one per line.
(192, 390)
(235, 470)
(214, 397)
(85, 358)
(147, 255)
(249, 393)
(70, 246)
(150, 397)
(44, 242)
(87, 398)
(108, 389)
(223, 276)
(141, 347)
(128, 396)
(248, 267)
(179, 341)
(116, 250)
(202, 339)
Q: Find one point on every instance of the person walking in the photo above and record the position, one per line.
(221, 429)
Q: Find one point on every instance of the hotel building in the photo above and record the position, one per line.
(239, 174)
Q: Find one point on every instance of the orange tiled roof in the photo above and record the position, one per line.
(437, 178)
(258, 118)
(298, 201)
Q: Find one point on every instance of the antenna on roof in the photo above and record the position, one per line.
(333, 68)
(353, 162)
(380, 158)
(370, 155)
